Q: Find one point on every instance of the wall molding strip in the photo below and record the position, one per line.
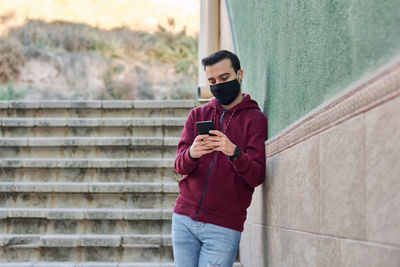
(372, 91)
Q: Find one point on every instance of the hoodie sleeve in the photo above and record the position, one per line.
(250, 165)
(183, 163)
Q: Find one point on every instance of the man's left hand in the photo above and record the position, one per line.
(221, 143)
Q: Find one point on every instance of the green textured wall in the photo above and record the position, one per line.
(298, 54)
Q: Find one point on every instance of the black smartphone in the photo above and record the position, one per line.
(204, 126)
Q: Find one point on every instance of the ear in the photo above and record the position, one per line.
(240, 75)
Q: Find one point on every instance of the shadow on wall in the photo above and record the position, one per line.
(63, 60)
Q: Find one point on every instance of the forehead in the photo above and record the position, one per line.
(221, 67)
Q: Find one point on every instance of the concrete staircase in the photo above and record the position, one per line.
(88, 183)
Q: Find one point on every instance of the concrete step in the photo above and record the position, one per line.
(116, 141)
(85, 264)
(151, 223)
(86, 131)
(92, 240)
(88, 264)
(94, 113)
(97, 152)
(86, 163)
(88, 200)
(64, 187)
(91, 122)
(59, 213)
(92, 264)
(87, 254)
(91, 127)
(97, 104)
(55, 108)
(88, 147)
(89, 175)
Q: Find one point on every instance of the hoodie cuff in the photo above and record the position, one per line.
(240, 161)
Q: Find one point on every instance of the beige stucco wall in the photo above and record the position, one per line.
(333, 199)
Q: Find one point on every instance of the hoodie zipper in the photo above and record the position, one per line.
(209, 170)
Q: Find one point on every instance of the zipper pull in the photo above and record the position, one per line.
(222, 120)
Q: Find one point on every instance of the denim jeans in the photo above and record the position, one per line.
(198, 244)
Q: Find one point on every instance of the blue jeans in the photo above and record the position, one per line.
(198, 244)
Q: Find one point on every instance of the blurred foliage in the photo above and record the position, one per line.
(165, 46)
(182, 90)
(8, 92)
(69, 37)
(176, 48)
(11, 59)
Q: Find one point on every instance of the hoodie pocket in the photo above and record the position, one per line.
(192, 186)
(223, 163)
(221, 194)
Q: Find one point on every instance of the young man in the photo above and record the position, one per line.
(219, 172)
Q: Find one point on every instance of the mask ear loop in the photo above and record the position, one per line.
(237, 77)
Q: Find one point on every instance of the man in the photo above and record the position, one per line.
(219, 172)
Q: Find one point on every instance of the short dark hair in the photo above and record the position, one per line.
(220, 55)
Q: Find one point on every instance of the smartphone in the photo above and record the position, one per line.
(204, 126)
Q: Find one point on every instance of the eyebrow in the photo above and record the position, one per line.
(223, 74)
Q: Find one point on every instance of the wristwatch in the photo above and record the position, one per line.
(236, 153)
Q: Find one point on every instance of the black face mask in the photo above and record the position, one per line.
(226, 92)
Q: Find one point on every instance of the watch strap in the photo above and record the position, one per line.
(190, 156)
(236, 153)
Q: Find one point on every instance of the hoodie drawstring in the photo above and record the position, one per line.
(229, 121)
(227, 125)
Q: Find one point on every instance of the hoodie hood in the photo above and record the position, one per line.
(246, 103)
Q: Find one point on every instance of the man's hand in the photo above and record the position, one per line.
(201, 146)
(221, 143)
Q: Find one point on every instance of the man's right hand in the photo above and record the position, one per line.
(201, 146)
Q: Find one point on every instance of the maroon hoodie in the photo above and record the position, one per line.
(215, 189)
